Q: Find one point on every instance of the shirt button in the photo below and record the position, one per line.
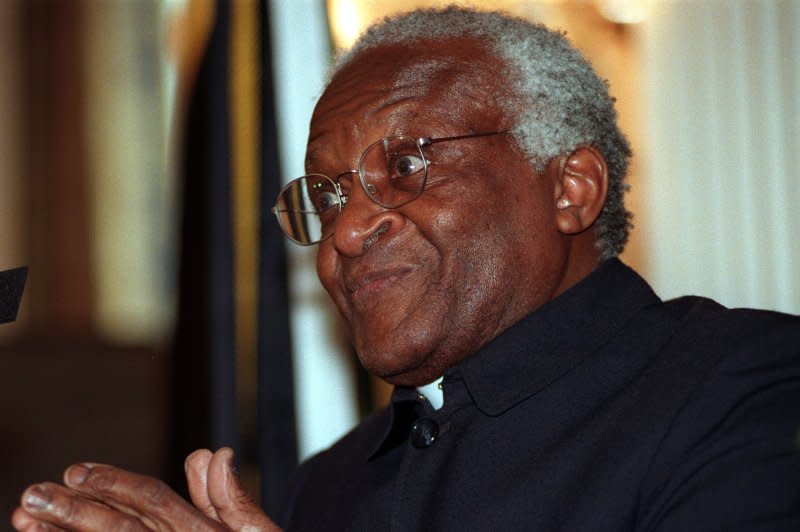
(424, 432)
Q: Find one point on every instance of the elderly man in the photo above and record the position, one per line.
(465, 183)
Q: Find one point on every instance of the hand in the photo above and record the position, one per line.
(215, 490)
(100, 498)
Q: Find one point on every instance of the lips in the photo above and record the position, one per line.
(371, 282)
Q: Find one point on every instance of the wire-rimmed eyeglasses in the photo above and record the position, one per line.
(392, 171)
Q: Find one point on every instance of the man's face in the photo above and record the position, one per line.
(425, 285)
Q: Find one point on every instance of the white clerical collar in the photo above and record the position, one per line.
(433, 393)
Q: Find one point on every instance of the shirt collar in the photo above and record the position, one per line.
(547, 344)
(534, 352)
(433, 393)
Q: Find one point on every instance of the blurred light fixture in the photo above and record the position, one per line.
(346, 21)
(348, 18)
(624, 11)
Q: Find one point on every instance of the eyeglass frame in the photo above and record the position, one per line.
(420, 142)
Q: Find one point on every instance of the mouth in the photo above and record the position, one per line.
(372, 283)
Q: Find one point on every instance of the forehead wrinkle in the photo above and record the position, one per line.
(422, 72)
(456, 90)
(430, 85)
(349, 98)
(391, 111)
(396, 100)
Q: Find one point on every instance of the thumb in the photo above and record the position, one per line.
(196, 468)
(233, 505)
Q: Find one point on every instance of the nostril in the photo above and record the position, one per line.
(374, 236)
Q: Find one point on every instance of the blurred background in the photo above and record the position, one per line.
(142, 144)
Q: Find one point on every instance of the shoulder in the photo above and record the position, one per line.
(729, 453)
(717, 343)
(707, 318)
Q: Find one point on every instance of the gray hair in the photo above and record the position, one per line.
(560, 102)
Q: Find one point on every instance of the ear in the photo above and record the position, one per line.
(580, 191)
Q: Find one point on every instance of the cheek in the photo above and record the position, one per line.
(509, 234)
(474, 243)
(327, 267)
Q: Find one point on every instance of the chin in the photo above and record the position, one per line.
(414, 377)
(408, 366)
(401, 367)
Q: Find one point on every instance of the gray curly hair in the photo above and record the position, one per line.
(564, 103)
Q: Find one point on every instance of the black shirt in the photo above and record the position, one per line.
(606, 409)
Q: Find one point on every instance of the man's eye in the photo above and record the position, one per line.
(406, 165)
(325, 200)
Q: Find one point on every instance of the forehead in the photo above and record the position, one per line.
(433, 88)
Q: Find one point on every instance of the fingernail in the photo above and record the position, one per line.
(36, 499)
(76, 474)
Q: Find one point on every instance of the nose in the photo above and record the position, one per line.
(362, 223)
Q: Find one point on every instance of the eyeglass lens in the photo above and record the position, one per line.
(393, 172)
(306, 206)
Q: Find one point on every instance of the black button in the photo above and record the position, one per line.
(424, 432)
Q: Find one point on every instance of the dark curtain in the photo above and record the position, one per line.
(277, 450)
(203, 382)
(204, 387)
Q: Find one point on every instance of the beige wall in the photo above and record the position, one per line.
(721, 117)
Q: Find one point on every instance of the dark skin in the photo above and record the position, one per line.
(108, 498)
(487, 242)
(420, 287)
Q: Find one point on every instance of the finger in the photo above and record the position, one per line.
(49, 506)
(22, 520)
(147, 498)
(25, 522)
(196, 467)
(234, 506)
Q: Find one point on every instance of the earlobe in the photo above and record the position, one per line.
(581, 190)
